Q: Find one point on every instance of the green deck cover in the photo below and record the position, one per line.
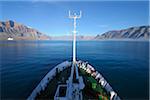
(100, 97)
(95, 86)
(82, 71)
(99, 89)
(92, 81)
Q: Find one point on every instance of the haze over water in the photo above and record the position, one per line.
(123, 64)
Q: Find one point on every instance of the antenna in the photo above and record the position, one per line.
(74, 16)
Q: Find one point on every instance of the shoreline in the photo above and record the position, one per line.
(85, 40)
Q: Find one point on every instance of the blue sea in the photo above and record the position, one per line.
(124, 64)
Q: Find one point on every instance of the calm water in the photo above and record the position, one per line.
(124, 65)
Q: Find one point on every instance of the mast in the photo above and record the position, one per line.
(75, 82)
(74, 17)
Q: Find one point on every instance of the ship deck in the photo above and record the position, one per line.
(49, 92)
(92, 89)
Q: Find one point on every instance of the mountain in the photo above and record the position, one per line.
(141, 32)
(11, 29)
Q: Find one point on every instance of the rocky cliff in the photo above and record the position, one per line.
(11, 29)
(141, 32)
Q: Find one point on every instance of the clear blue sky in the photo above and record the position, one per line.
(98, 16)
